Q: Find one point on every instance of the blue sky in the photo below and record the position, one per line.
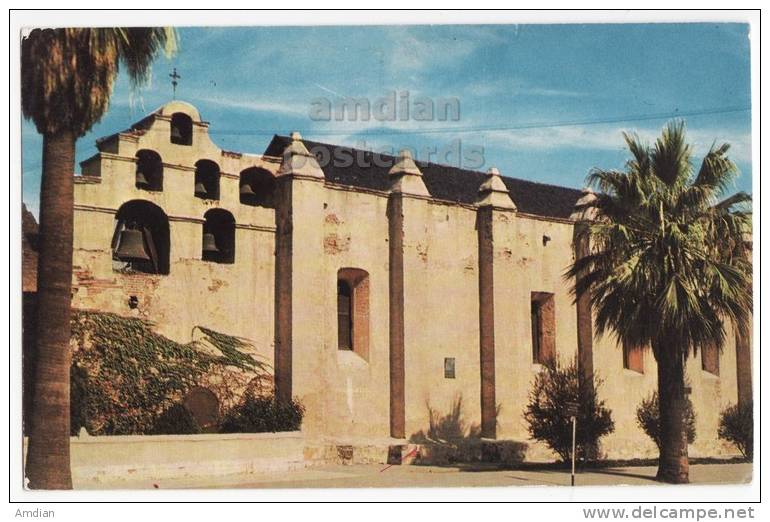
(542, 102)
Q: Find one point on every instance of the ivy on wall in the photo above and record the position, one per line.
(124, 374)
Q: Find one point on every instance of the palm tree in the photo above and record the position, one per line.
(66, 82)
(668, 265)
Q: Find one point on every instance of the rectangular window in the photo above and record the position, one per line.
(344, 323)
(633, 358)
(543, 324)
(709, 356)
(449, 368)
(353, 311)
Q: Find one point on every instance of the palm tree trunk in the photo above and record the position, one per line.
(673, 466)
(48, 455)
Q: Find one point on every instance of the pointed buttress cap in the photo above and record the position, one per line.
(493, 192)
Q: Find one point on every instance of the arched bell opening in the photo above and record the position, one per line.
(181, 129)
(149, 171)
(140, 242)
(257, 188)
(206, 179)
(218, 245)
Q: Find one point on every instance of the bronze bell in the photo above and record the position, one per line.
(141, 180)
(200, 189)
(131, 247)
(176, 134)
(209, 244)
(246, 190)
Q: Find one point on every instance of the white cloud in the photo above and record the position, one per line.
(516, 87)
(605, 137)
(417, 48)
(288, 109)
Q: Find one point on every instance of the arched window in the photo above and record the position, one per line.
(353, 311)
(181, 129)
(257, 187)
(218, 243)
(206, 179)
(149, 170)
(140, 242)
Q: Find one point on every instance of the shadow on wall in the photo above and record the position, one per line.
(450, 441)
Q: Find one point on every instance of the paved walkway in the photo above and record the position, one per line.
(373, 476)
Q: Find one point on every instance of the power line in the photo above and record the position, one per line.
(491, 128)
(487, 128)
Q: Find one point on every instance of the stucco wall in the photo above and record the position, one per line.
(524, 264)
(355, 232)
(441, 305)
(625, 389)
(333, 227)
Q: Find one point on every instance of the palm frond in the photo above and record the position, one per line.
(668, 263)
(67, 74)
(671, 154)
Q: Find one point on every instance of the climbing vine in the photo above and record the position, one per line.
(231, 347)
(124, 374)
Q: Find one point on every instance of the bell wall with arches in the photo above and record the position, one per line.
(225, 296)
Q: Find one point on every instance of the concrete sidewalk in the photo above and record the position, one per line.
(376, 476)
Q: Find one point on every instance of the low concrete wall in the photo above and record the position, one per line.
(147, 461)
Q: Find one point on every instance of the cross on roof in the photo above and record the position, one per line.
(174, 77)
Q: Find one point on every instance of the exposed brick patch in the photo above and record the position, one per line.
(332, 219)
(143, 286)
(84, 278)
(345, 454)
(334, 244)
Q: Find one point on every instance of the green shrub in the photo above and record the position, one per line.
(648, 418)
(176, 420)
(125, 374)
(257, 414)
(736, 425)
(549, 419)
